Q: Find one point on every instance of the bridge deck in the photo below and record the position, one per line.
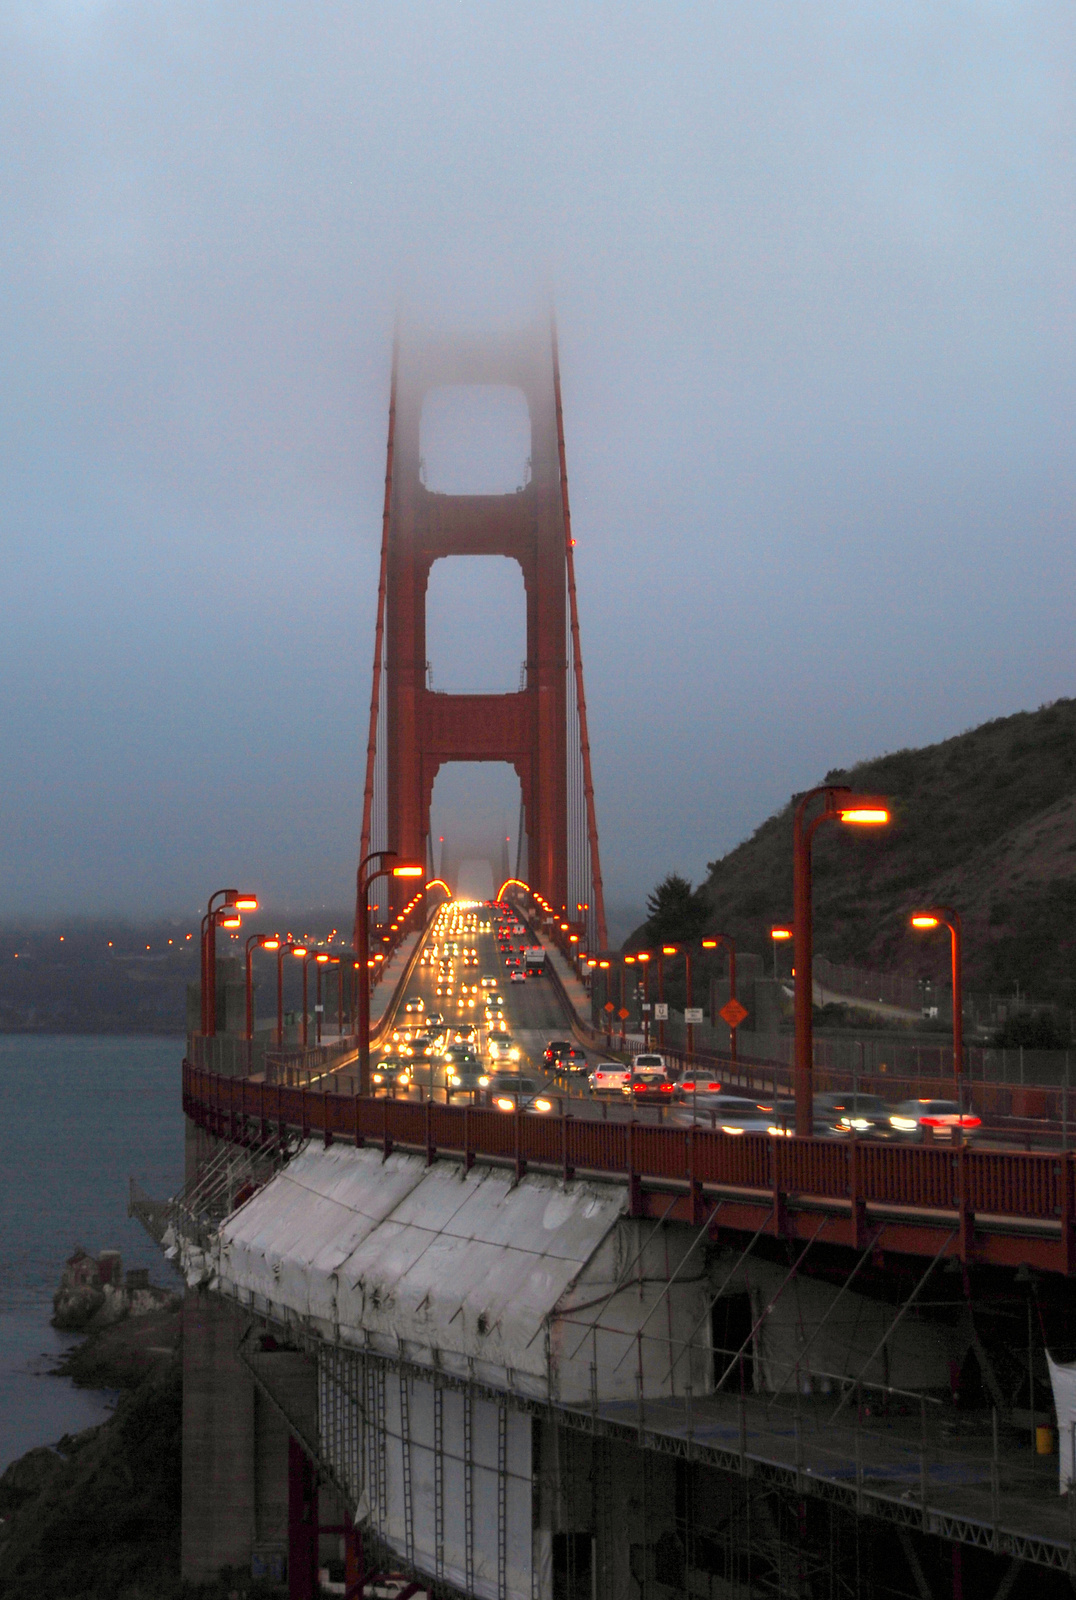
(1008, 1207)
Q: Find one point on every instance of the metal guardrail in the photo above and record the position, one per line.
(1021, 1192)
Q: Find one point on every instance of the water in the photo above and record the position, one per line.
(79, 1117)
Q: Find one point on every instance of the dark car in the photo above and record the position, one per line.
(556, 1050)
(571, 1061)
(650, 1083)
(865, 1115)
(464, 1073)
(509, 1091)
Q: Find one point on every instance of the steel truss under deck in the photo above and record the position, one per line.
(792, 1478)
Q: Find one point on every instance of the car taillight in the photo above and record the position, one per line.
(666, 1088)
(716, 1087)
(640, 1088)
(933, 1122)
(971, 1122)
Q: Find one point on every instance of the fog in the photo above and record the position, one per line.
(813, 271)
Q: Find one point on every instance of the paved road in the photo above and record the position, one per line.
(535, 1014)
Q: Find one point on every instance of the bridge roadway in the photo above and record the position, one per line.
(1004, 1207)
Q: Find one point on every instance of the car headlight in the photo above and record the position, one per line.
(455, 1078)
(504, 1104)
(778, 1133)
(859, 1123)
(378, 1078)
(543, 1105)
(403, 1078)
(731, 1128)
(905, 1124)
(513, 1055)
(483, 1083)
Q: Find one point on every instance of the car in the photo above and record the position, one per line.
(920, 1121)
(487, 981)
(720, 1110)
(607, 1077)
(698, 1088)
(465, 1033)
(434, 1019)
(517, 977)
(508, 1091)
(572, 1061)
(649, 1083)
(415, 1006)
(555, 1049)
(388, 1072)
(501, 1046)
(647, 1059)
(865, 1115)
(464, 1074)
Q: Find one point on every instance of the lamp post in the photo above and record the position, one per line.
(729, 942)
(643, 957)
(839, 804)
(290, 947)
(945, 916)
(260, 941)
(675, 950)
(779, 934)
(322, 959)
(232, 903)
(401, 869)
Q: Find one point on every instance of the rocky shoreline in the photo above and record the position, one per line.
(96, 1516)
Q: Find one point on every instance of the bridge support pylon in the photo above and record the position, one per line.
(539, 729)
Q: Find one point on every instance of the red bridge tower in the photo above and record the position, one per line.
(541, 730)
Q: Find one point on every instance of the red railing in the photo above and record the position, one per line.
(1019, 1186)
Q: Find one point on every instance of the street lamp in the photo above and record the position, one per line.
(779, 934)
(729, 942)
(402, 869)
(260, 941)
(945, 916)
(225, 915)
(320, 958)
(839, 804)
(289, 947)
(643, 957)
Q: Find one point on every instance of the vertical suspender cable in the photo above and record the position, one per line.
(379, 632)
(577, 656)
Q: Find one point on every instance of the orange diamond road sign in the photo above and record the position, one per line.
(622, 1014)
(733, 1013)
(609, 1006)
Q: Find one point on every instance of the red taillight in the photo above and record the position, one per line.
(971, 1122)
(934, 1122)
(666, 1088)
(640, 1088)
(714, 1086)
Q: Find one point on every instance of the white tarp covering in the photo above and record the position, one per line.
(419, 1258)
(1063, 1383)
(386, 1501)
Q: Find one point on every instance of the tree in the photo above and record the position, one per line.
(677, 914)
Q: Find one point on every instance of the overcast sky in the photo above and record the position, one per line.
(814, 271)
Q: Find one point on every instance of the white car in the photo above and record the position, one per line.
(517, 977)
(608, 1077)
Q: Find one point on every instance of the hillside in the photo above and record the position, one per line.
(985, 821)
